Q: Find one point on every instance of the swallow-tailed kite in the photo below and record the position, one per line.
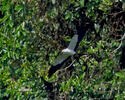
(66, 53)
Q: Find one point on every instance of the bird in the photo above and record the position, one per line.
(81, 29)
(65, 55)
(68, 52)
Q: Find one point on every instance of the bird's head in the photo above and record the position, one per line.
(68, 51)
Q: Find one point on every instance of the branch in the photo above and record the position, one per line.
(120, 44)
(68, 66)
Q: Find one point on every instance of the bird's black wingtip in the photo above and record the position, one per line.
(52, 70)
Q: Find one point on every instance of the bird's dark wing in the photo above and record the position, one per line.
(60, 60)
(48, 85)
(80, 33)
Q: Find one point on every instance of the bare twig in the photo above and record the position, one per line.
(68, 66)
(120, 44)
(117, 13)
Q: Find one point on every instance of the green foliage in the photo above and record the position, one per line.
(32, 33)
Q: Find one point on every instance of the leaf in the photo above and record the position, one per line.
(5, 7)
(82, 3)
(120, 74)
(10, 23)
(53, 1)
(18, 8)
(67, 16)
(5, 18)
(67, 39)
(90, 50)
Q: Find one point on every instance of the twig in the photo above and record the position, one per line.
(120, 44)
(117, 13)
(68, 66)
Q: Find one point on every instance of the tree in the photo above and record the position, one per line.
(29, 34)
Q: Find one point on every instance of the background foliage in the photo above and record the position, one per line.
(33, 33)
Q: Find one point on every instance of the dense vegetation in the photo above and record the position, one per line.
(33, 33)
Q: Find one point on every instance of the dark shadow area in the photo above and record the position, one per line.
(122, 59)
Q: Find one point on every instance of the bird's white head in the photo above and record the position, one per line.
(68, 51)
